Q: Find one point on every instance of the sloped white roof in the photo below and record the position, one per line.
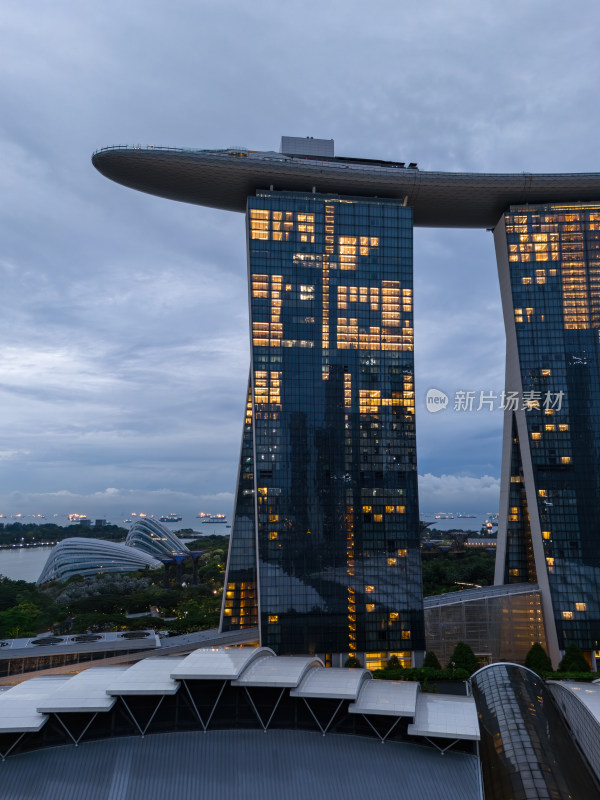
(18, 705)
(388, 698)
(150, 676)
(445, 716)
(85, 691)
(280, 671)
(218, 663)
(336, 682)
(586, 693)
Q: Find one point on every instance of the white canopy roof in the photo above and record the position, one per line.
(388, 698)
(218, 663)
(18, 705)
(277, 671)
(587, 693)
(84, 692)
(336, 682)
(150, 676)
(445, 716)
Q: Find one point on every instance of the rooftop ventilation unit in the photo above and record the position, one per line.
(308, 146)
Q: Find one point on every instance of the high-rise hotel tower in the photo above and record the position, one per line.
(549, 266)
(324, 553)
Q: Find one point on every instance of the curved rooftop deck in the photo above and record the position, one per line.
(223, 179)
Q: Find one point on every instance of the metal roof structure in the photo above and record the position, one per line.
(224, 179)
(445, 717)
(470, 595)
(295, 682)
(218, 663)
(394, 699)
(239, 765)
(18, 705)
(336, 682)
(84, 692)
(152, 676)
(81, 643)
(277, 671)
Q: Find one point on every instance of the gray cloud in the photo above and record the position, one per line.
(123, 332)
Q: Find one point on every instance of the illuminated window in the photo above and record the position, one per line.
(273, 619)
(580, 606)
(273, 535)
(546, 372)
(392, 562)
(394, 616)
(546, 534)
(402, 552)
(567, 615)
(406, 634)
(542, 492)
(536, 435)
(370, 607)
(565, 460)
(563, 427)
(369, 589)
(377, 517)
(549, 427)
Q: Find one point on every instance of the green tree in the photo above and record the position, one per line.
(463, 658)
(573, 660)
(352, 662)
(431, 660)
(393, 662)
(537, 659)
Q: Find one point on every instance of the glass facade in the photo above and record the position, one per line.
(550, 274)
(332, 473)
(499, 623)
(526, 750)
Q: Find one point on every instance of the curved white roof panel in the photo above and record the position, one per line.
(81, 556)
(445, 716)
(150, 676)
(154, 538)
(18, 705)
(277, 671)
(218, 663)
(84, 692)
(586, 693)
(336, 683)
(388, 698)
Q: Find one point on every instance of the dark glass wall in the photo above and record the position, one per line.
(526, 750)
(335, 476)
(554, 263)
(240, 598)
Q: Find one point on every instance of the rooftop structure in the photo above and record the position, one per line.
(226, 178)
(82, 556)
(256, 689)
(156, 539)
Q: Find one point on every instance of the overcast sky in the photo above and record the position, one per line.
(123, 333)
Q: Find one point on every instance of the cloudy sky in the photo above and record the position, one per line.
(123, 332)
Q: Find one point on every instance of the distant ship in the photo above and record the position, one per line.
(444, 515)
(170, 518)
(212, 518)
(466, 516)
